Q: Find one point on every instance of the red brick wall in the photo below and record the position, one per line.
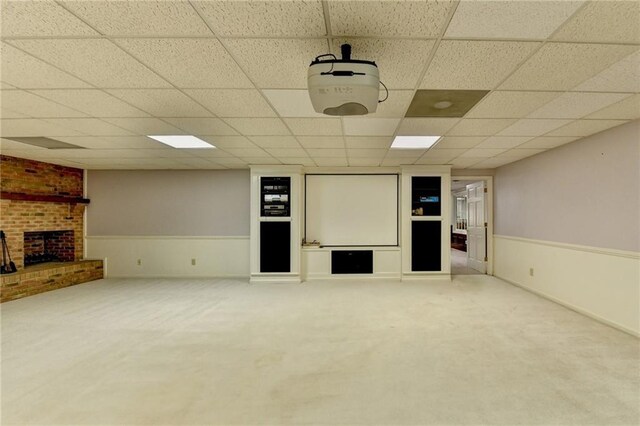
(38, 178)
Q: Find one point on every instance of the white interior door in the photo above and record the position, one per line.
(476, 235)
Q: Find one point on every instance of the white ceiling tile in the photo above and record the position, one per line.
(426, 126)
(275, 141)
(547, 142)
(141, 18)
(405, 153)
(145, 126)
(518, 153)
(370, 126)
(35, 106)
(202, 126)
(367, 153)
(357, 142)
(264, 18)
(291, 103)
(248, 152)
(331, 162)
(431, 161)
(199, 63)
(218, 155)
(444, 154)
(577, 104)
(95, 103)
(503, 142)
(453, 142)
(326, 152)
(7, 113)
(97, 61)
(321, 141)
(604, 21)
(532, 127)
(585, 127)
(510, 104)
(113, 142)
(277, 63)
(479, 127)
(200, 163)
(231, 162)
(40, 19)
(491, 163)
(4, 85)
(90, 126)
(364, 162)
(286, 152)
(400, 62)
(394, 162)
(627, 109)
(302, 161)
(623, 76)
(22, 70)
(162, 102)
(224, 142)
(388, 19)
(562, 66)
(314, 126)
(509, 19)
(396, 104)
(7, 145)
(474, 65)
(256, 161)
(33, 127)
(232, 102)
(482, 153)
(461, 163)
(258, 126)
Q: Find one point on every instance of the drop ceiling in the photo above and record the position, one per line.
(102, 74)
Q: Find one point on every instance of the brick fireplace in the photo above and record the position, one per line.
(48, 246)
(42, 214)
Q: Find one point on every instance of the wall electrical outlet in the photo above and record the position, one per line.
(193, 262)
(530, 272)
(139, 262)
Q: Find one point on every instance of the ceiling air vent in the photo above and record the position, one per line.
(43, 142)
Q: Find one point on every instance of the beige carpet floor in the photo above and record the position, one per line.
(222, 352)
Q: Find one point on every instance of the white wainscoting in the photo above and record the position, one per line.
(171, 256)
(601, 283)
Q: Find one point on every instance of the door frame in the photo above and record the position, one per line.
(488, 201)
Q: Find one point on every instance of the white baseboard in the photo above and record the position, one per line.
(600, 283)
(167, 257)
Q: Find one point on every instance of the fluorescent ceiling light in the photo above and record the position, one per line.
(414, 142)
(182, 141)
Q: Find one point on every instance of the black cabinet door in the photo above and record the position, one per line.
(426, 237)
(352, 262)
(275, 247)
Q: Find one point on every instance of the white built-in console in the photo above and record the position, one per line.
(314, 223)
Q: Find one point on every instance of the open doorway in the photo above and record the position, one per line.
(471, 228)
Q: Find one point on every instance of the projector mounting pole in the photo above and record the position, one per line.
(346, 52)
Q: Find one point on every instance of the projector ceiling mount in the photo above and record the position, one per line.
(344, 86)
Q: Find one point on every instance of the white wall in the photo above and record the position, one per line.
(572, 214)
(165, 219)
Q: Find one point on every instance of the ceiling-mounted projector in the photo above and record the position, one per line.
(343, 86)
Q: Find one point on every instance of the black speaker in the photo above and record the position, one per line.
(275, 247)
(352, 262)
(426, 237)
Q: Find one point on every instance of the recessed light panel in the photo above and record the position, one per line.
(182, 141)
(444, 103)
(414, 142)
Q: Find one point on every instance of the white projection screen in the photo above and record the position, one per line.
(352, 210)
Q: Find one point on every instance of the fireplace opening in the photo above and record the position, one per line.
(48, 246)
